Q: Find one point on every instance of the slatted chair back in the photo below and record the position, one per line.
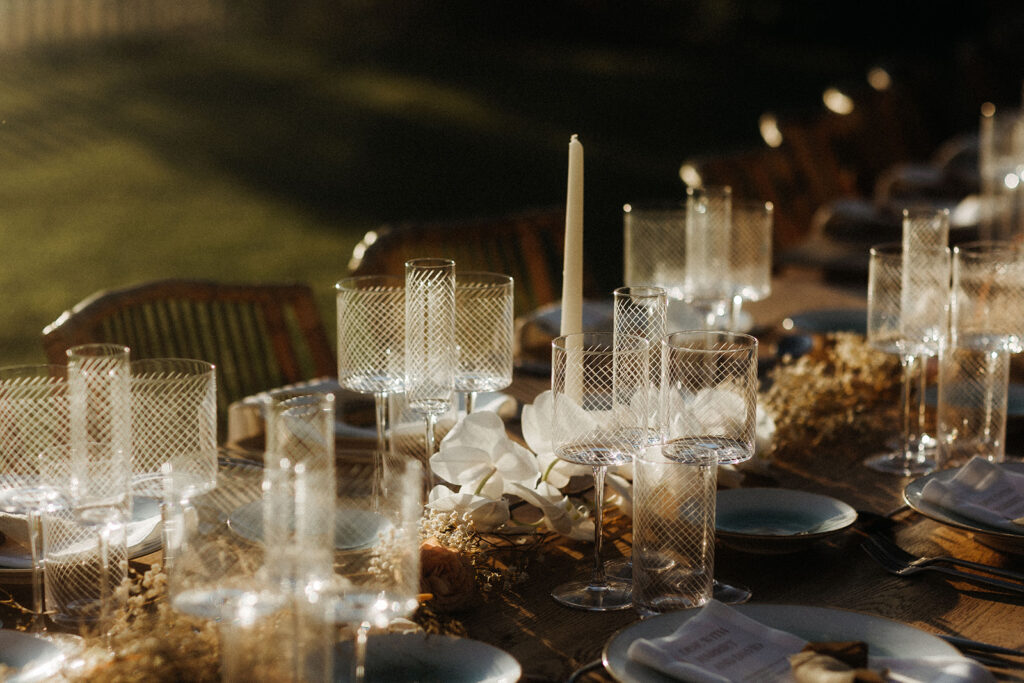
(528, 246)
(259, 336)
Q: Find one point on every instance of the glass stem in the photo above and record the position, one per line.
(104, 554)
(359, 652)
(470, 401)
(380, 400)
(35, 544)
(598, 579)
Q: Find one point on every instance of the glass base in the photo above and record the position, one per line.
(899, 464)
(616, 594)
(728, 594)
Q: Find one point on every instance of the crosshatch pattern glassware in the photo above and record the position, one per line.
(750, 253)
(986, 326)
(642, 311)
(709, 280)
(484, 333)
(599, 385)
(430, 339)
(912, 325)
(371, 341)
(34, 418)
(654, 246)
(709, 394)
(99, 383)
(673, 530)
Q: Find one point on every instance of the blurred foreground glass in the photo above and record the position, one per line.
(599, 384)
(709, 395)
(99, 387)
(34, 419)
(430, 340)
(484, 333)
(86, 541)
(371, 340)
(986, 326)
(1000, 165)
(377, 562)
(709, 282)
(673, 530)
(908, 316)
(750, 253)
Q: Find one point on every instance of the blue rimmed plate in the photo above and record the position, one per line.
(775, 521)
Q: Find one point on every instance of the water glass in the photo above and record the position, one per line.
(709, 394)
(641, 311)
(709, 281)
(654, 246)
(484, 333)
(750, 255)
(673, 529)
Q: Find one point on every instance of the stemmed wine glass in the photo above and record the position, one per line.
(708, 282)
(34, 418)
(484, 330)
(750, 253)
(371, 341)
(430, 340)
(907, 315)
(378, 560)
(599, 385)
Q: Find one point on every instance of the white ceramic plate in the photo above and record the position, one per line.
(884, 637)
(31, 658)
(429, 659)
(353, 529)
(771, 520)
(990, 535)
(144, 529)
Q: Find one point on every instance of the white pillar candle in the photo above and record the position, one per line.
(572, 270)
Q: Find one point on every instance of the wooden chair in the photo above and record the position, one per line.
(529, 246)
(259, 336)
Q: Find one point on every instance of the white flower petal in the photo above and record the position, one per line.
(622, 493)
(536, 423)
(451, 461)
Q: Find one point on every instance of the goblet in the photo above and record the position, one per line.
(430, 340)
(34, 418)
(371, 341)
(654, 246)
(986, 326)
(750, 253)
(484, 331)
(378, 560)
(907, 315)
(600, 385)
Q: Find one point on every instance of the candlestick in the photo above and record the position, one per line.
(572, 271)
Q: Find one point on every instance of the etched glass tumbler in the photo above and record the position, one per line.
(34, 418)
(484, 331)
(986, 326)
(654, 246)
(750, 253)
(641, 311)
(430, 340)
(599, 385)
(709, 395)
(709, 283)
(371, 341)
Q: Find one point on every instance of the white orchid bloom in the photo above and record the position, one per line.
(560, 515)
(537, 423)
(479, 456)
(487, 514)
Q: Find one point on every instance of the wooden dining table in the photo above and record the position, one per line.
(556, 643)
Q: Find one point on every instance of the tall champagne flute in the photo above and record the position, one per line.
(430, 340)
(908, 315)
(371, 341)
(750, 253)
(599, 385)
(484, 331)
(708, 283)
(33, 419)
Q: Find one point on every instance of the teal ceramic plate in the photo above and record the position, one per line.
(353, 529)
(30, 657)
(767, 520)
(884, 637)
(429, 659)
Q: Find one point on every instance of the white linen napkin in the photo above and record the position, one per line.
(983, 491)
(720, 645)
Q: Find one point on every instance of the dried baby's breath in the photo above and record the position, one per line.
(843, 391)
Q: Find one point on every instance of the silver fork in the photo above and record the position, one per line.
(900, 567)
(913, 560)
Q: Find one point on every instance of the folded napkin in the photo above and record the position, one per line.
(143, 529)
(719, 645)
(982, 491)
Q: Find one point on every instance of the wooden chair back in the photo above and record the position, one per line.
(528, 246)
(259, 336)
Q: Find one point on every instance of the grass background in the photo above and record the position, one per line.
(265, 151)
